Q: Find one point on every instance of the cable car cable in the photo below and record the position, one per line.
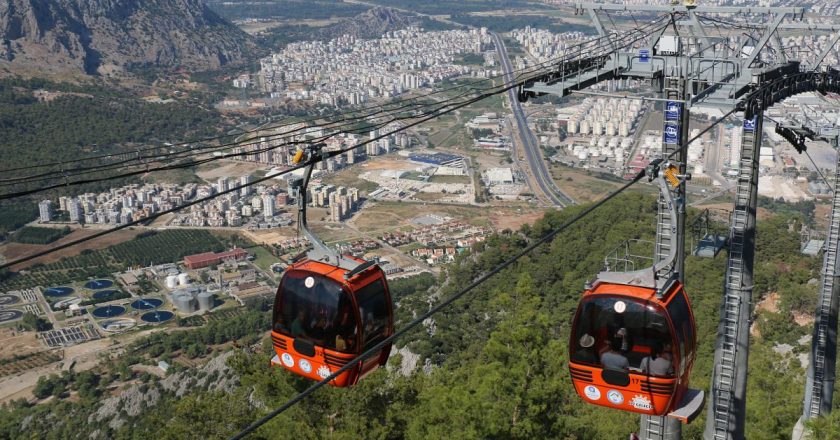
(187, 165)
(374, 349)
(324, 156)
(438, 307)
(266, 178)
(379, 109)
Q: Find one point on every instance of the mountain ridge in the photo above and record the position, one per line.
(103, 37)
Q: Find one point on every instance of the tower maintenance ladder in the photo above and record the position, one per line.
(728, 388)
(821, 374)
(668, 235)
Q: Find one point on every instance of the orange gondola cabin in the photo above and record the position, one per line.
(322, 320)
(329, 308)
(631, 350)
(633, 342)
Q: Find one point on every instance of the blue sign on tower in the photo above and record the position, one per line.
(673, 110)
(644, 55)
(749, 124)
(672, 133)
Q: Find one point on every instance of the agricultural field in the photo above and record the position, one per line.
(582, 185)
(151, 247)
(262, 257)
(450, 179)
(23, 363)
(36, 235)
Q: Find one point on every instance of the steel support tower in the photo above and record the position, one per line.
(675, 127)
(819, 385)
(727, 396)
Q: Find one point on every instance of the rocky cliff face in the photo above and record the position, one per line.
(101, 36)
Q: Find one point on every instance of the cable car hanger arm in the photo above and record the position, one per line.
(650, 276)
(320, 251)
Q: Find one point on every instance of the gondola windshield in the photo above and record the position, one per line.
(373, 309)
(610, 328)
(316, 308)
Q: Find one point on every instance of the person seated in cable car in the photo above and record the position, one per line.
(660, 363)
(586, 351)
(344, 330)
(298, 324)
(613, 359)
(320, 331)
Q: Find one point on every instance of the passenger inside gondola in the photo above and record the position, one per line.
(623, 330)
(586, 350)
(660, 362)
(319, 311)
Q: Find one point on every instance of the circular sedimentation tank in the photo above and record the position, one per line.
(58, 291)
(108, 311)
(6, 300)
(157, 317)
(146, 304)
(104, 294)
(10, 315)
(98, 284)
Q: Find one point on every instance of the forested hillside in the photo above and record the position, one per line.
(494, 365)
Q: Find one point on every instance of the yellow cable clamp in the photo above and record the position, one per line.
(298, 157)
(671, 176)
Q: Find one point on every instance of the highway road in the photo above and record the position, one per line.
(532, 151)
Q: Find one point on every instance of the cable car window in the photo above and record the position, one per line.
(681, 317)
(316, 308)
(373, 310)
(621, 333)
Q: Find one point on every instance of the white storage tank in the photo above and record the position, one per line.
(620, 154)
(183, 279)
(623, 129)
(626, 143)
(584, 127)
(171, 282)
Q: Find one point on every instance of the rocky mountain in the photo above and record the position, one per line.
(370, 24)
(106, 36)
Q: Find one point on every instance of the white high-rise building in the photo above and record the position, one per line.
(74, 206)
(268, 206)
(245, 190)
(45, 210)
(735, 147)
(222, 184)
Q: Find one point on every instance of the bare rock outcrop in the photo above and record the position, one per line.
(103, 36)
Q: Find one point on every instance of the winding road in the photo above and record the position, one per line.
(532, 151)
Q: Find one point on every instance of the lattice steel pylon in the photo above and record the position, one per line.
(819, 384)
(693, 68)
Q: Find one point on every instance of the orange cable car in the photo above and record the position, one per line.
(633, 341)
(330, 308)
